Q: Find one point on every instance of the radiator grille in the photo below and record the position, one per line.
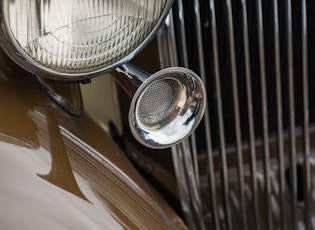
(250, 164)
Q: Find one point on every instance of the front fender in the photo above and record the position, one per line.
(63, 172)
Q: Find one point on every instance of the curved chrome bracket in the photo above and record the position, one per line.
(66, 95)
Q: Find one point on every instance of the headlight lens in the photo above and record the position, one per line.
(76, 38)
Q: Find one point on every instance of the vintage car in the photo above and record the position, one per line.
(106, 124)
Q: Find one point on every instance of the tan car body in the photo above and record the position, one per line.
(64, 172)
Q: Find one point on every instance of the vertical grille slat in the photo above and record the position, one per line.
(236, 112)
(264, 112)
(280, 146)
(219, 105)
(291, 111)
(250, 163)
(308, 189)
(167, 45)
(182, 47)
(186, 169)
(209, 153)
(193, 188)
(185, 64)
(251, 127)
(183, 42)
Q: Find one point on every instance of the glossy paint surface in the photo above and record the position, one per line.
(63, 172)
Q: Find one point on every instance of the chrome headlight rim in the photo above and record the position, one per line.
(11, 47)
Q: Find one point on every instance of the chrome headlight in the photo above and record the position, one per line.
(76, 39)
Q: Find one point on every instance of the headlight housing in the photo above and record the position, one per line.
(77, 39)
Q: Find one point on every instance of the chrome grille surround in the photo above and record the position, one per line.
(250, 164)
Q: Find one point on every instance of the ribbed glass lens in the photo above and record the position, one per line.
(76, 36)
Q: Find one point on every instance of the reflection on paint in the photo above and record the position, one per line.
(60, 173)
